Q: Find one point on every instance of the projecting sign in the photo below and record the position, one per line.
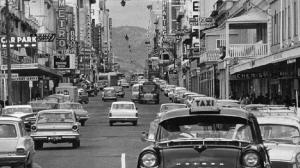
(14, 41)
(61, 42)
(45, 37)
(13, 75)
(64, 61)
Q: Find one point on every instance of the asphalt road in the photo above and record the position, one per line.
(102, 146)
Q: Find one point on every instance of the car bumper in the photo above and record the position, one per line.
(12, 160)
(55, 137)
(109, 98)
(121, 119)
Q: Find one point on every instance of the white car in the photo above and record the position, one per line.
(24, 112)
(168, 88)
(169, 106)
(123, 111)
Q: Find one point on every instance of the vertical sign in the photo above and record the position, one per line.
(110, 26)
(164, 17)
(195, 27)
(62, 34)
(72, 40)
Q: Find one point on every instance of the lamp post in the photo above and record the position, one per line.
(8, 53)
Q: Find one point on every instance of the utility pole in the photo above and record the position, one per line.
(78, 35)
(8, 53)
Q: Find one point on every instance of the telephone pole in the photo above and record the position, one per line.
(8, 53)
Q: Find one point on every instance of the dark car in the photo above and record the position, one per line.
(120, 91)
(83, 96)
(204, 138)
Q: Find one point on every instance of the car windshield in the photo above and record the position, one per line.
(39, 105)
(70, 106)
(55, 118)
(109, 92)
(16, 109)
(165, 108)
(8, 131)
(123, 106)
(280, 133)
(206, 127)
(148, 88)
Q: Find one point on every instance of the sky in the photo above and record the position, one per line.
(134, 13)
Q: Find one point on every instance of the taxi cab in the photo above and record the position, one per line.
(280, 129)
(204, 136)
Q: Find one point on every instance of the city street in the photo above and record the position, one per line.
(101, 145)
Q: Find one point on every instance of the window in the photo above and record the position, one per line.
(8, 131)
(220, 43)
(283, 25)
(81, 4)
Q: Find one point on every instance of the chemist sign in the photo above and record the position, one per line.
(16, 41)
(66, 61)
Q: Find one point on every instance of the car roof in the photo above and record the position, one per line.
(280, 120)
(108, 88)
(185, 112)
(197, 95)
(18, 106)
(68, 102)
(169, 104)
(123, 102)
(56, 111)
(228, 100)
(9, 118)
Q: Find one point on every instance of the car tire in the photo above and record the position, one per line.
(134, 123)
(111, 123)
(122, 96)
(38, 145)
(76, 144)
(29, 165)
(82, 123)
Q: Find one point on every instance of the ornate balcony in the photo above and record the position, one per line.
(248, 50)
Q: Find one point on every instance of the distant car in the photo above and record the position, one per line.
(120, 91)
(168, 88)
(23, 112)
(16, 146)
(228, 103)
(178, 94)
(135, 90)
(55, 126)
(109, 93)
(123, 83)
(169, 106)
(81, 114)
(39, 105)
(123, 111)
(174, 93)
(102, 84)
(60, 97)
(83, 96)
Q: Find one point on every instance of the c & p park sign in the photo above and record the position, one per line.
(30, 41)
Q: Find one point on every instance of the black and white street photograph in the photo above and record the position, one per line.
(149, 83)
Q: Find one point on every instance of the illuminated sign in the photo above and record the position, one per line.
(61, 42)
(45, 37)
(203, 102)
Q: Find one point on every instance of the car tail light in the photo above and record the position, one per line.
(75, 128)
(20, 151)
(251, 159)
(33, 128)
(136, 114)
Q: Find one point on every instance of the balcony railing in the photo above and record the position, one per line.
(210, 56)
(248, 50)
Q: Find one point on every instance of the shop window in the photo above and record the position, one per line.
(220, 43)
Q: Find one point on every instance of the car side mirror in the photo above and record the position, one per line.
(145, 137)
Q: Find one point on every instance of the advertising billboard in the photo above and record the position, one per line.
(64, 61)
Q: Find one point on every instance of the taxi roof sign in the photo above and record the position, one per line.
(204, 105)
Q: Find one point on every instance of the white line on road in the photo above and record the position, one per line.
(123, 161)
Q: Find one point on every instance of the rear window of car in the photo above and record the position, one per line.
(8, 131)
(55, 118)
(172, 107)
(123, 106)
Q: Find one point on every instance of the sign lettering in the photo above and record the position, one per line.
(62, 35)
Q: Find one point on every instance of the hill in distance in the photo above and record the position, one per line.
(132, 53)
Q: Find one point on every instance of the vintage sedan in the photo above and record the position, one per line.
(123, 111)
(281, 135)
(55, 126)
(120, 91)
(16, 146)
(169, 106)
(228, 103)
(23, 112)
(109, 93)
(204, 137)
(81, 114)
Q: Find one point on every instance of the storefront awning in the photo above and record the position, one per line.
(33, 70)
(254, 16)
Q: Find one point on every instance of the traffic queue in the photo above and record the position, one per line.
(54, 119)
(195, 130)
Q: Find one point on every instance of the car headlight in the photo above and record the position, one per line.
(251, 159)
(149, 159)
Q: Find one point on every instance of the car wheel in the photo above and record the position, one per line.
(38, 145)
(111, 123)
(76, 144)
(82, 123)
(134, 123)
(29, 165)
(122, 96)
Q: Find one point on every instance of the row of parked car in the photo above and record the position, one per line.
(25, 128)
(226, 132)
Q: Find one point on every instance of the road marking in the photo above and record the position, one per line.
(123, 163)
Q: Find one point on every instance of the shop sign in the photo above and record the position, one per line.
(26, 78)
(250, 75)
(290, 61)
(13, 75)
(64, 61)
(45, 37)
(62, 33)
